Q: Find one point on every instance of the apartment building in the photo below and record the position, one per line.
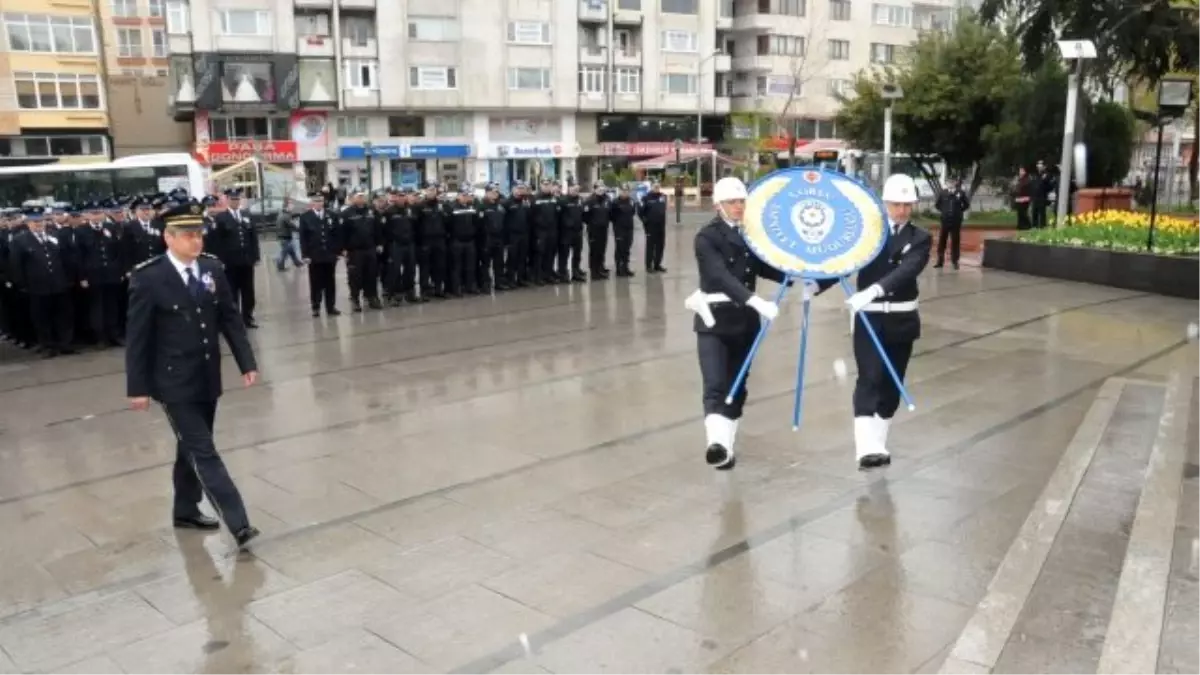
(53, 106)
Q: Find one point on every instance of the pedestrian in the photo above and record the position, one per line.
(285, 232)
(179, 304)
(952, 204)
(1022, 195)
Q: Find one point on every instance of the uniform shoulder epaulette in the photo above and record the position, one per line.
(205, 254)
(148, 262)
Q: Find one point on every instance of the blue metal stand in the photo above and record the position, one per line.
(879, 348)
(762, 332)
(800, 367)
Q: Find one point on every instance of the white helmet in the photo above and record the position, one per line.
(900, 189)
(728, 188)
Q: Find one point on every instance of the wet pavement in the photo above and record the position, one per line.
(515, 484)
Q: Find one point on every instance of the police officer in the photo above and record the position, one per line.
(179, 303)
(101, 270)
(887, 297)
(728, 315)
(362, 236)
(952, 204)
(239, 251)
(570, 242)
(516, 228)
(544, 218)
(621, 213)
(595, 214)
(464, 235)
(653, 213)
(40, 269)
(431, 217)
(400, 235)
(492, 241)
(320, 245)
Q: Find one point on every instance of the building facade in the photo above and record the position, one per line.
(53, 106)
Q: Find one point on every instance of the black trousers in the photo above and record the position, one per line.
(198, 468)
(321, 284)
(123, 305)
(597, 246)
(462, 266)
(53, 319)
(1038, 214)
(491, 265)
(241, 284)
(570, 246)
(403, 271)
(656, 243)
(518, 252)
(81, 319)
(1023, 216)
(19, 316)
(874, 391)
(721, 357)
(433, 268)
(953, 231)
(103, 306)
(362, 271)
(545, 253)
(623, 239)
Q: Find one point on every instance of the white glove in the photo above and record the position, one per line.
(765, 308)
(863, 298)
(697, 303)
(810, 290)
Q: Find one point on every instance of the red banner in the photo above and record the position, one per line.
(645, 149)
(232, 152)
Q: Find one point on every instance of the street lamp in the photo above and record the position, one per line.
(1080, 50)
(1174, 97)
(891, 93)
(366, 144)
(678, 181)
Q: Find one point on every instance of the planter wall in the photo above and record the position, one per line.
(1176, 276)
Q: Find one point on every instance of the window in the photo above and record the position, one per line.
(777, 85)
(57, 91)
(839, 10)
(627, 81)
(449, 125)
(406, 125)
(840, 88)
(432, 77)
(249, 128)
(312, 24)
(156, 8)
(630, 5)
(882, 53)
(786, 7)
(839, 50)
(359, 30)
(351, 127)
(591, 80)
(678, 41)
(529, 32)
(782, 45)
(124, 8)
(248, 81)
(624, 42)
(678, 6)
(52, 146)
(248, 22)
(178, 19)
(361, 74)
(433, 29)
(529, 79)
(892, 15)
(49, 34)
(129, 42)
(678, 83)
(158, 38)
(725, 8)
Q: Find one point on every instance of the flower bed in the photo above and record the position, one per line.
(1122, 231)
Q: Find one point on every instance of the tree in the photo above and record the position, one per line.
(1032, 123)
(1110, 137)
(956, 85)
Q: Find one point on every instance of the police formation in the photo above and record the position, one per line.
(65, 268)
(407, 246)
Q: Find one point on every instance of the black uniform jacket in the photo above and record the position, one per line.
(172, 351)
(728, 266)
(320, 237)
(896, 269)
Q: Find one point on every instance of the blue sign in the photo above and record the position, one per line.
(814, 223)
(405, 151)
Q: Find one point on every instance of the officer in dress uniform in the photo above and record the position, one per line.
(728, 315)
(431, 215)
(400, 237)
(142, 234)
(887, 297)
(952, 204)
(101, 270)
(516, 227)
(570, 241)
(239, 250)
(40, 269)
(653, 213)
(320, 246)
(595, 214)
(362, 237)
(544, 217)
(621, 212)
(491, 241)
(179, 304)
(464, 235)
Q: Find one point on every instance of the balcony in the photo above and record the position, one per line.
(627, 17)
(593, 101)
(314, 46)
(353, 48)
(179, 44)
(360, 99)
(753, 63)
(313, 4)
(357, 4)
(593, 11)
(722, 63)
(721, 105)
(758, 23)
(724, 22)
(593, 56)
(631, 59)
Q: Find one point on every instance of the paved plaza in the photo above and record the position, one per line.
(516, 484)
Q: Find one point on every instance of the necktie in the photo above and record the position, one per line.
(193, 284)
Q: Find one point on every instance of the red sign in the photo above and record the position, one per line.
(646, 149)
(232, 152)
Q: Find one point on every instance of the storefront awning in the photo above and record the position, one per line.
(686, 155)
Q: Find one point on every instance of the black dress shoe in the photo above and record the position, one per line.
(245, 535)
(250, 323)
(316, 313)
(197, 522)
(660, 269)
(873, 460)
(939, 266)
(334, 312)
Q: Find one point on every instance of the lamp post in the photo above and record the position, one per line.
(367, 155)
(1174, 97)
(1080, 50)
(678, 181)
(891, 93)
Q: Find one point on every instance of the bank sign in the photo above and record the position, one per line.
(532, 150)
(405, 151)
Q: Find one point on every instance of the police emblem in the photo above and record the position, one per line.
(814, 223)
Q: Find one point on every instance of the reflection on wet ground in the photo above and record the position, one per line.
(515, 484)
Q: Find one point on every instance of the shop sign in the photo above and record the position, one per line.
(647, 149)
(232, 152)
